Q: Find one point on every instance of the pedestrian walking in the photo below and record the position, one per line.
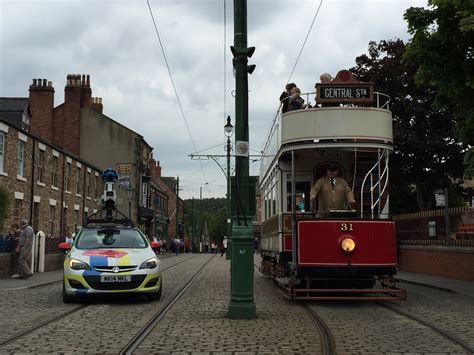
(224, 245)
(25, 244)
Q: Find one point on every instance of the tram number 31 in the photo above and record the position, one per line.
(346, 227)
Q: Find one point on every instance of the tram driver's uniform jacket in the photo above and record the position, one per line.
(330, 198)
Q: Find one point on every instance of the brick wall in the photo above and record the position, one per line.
(449, 262)
(51, 262)
(41, 104)
(19, 188)
(35, 195)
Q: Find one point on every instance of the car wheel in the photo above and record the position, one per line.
(67, 298)
(156, 295)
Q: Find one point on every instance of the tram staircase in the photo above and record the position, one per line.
(365, 162)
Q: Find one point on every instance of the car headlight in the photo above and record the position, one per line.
(348, 245)
(78, 265)
(150, 263)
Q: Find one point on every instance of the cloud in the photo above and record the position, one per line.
(115, 42)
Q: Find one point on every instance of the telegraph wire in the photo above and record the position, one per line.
(174, 86)
(304, 42)
(291, 74)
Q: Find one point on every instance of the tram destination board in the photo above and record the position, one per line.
(356, 92)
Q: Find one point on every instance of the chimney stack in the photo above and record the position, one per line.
(41, 102)
(97, 104)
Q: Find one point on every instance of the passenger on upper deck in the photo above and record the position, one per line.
(332, 192)
(296, 101)
(285, 97)
(324, 78)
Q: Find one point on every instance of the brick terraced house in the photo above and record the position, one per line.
(48, 186)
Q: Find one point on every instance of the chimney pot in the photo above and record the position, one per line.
(34, 82)
(50, 83)
(45, 82)
(39, 82)
(100, 100)
(88, 81)
(83, 81)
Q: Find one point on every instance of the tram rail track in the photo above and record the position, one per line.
(62, 315)
(328, 344)
(138, 339)
(451, 337)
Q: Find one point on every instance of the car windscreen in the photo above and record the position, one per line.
(110, 238)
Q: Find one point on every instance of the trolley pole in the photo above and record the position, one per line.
(242, 302)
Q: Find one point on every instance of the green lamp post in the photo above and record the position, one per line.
(242, 302)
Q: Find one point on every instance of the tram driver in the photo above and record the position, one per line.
(332, 192)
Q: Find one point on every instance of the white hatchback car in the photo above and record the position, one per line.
(111, 260)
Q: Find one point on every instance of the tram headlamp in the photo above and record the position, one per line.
(348, 245)
(150, 263)
(78, 265)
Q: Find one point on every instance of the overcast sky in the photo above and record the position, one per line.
(115, 42)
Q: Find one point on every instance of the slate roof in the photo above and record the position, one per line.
(12, 108)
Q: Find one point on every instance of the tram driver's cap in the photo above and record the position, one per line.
(333, 167)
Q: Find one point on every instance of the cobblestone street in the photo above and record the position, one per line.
(197, 322)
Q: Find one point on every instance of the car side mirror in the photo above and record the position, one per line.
(64, 246)
(155, 245)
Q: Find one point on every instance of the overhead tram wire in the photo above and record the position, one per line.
(174, 86)
(291, 74)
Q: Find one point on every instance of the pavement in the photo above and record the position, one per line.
(465, 288)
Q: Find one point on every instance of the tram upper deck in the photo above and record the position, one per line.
(330, 127)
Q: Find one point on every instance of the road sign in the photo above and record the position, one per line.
(124, 168)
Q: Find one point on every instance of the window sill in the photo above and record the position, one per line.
(88, 198)
(41, 183)
(54, 188)
(2, 173)
(78, 195)
(68, 192)
(21, 178)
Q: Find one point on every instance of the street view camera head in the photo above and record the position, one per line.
(109, 177)
(112, 214)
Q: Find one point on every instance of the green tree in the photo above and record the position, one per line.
(426, 155)
(442, 48)
(210, 210)
(4, 205)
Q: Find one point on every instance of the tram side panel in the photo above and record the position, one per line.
(320, 245)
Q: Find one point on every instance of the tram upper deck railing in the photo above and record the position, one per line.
(380, 107)
(344, 124)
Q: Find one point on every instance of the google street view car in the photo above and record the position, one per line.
(109, 255)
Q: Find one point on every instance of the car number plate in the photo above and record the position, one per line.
(115, 278)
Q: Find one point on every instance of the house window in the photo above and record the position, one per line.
(17, 209)
(88, 184)
(78, 181)
(68, 177)
(145, 194)
(54, 172)
(41, 166)
(96, 193)
(2, 151)
(76, 220)
(52, 217)
(21, 159)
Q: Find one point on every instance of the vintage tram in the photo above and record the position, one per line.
(345, 253)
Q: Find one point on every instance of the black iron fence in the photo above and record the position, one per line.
(437, 227)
